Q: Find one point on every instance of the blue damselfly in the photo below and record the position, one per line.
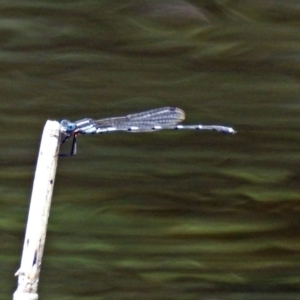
(151, 120)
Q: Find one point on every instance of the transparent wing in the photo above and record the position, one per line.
(165, 116)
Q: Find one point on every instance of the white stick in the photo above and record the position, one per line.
(38, 214)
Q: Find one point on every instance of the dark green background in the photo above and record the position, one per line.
(165, 215)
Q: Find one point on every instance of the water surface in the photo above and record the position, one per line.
(164, 215)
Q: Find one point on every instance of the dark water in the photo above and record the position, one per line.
(165, 215)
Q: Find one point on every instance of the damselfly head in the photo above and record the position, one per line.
(67, 126)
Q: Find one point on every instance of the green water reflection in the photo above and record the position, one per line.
(165, 215)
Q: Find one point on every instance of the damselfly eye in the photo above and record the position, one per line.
(71, 127)
(67, 125)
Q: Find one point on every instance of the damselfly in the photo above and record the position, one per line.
(151, 120)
